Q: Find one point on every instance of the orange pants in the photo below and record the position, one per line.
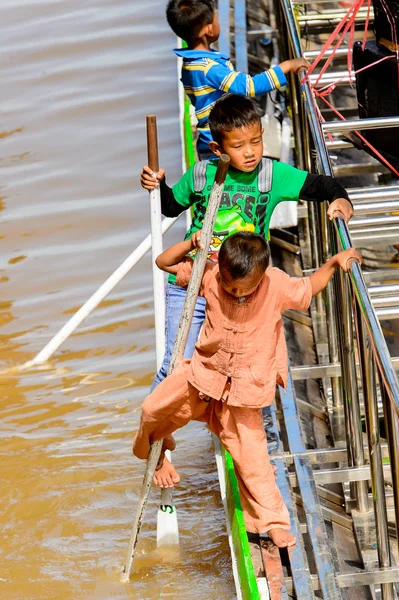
(175, 402)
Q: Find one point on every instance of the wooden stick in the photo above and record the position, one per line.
(156, 241)
(152, 143)
(178, 349)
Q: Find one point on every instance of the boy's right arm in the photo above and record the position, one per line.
(320, 278)
(149, 181)
(222, 78)
(235, 82)
(294, 65)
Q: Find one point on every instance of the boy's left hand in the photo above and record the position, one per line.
(346, 257)
(196, 240)
(341, 207)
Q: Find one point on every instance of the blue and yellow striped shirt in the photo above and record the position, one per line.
(207, 76)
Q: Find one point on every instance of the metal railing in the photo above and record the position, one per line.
(353, 327)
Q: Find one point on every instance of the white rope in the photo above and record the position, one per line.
(96, 298)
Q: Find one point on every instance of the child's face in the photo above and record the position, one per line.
(244, 147)
(240, 287)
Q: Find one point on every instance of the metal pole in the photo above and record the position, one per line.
(354, 434)
(377, 338)
(325, 167)
(360, 124)
(367, 367)
(327, 235)
(392, 433)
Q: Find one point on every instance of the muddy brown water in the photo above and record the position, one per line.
(78, 78)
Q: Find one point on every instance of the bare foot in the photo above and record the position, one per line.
(166, 476)
(282, 538)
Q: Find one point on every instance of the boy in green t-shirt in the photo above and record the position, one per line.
(254, 186)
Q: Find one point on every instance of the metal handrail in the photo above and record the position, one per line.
(375, 360)
(380, 348)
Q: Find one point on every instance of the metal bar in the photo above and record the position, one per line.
(387, 313)
(338, 144)
(315, 371)
(350, 502)
(258, 34)
(367, 168)
(330, 304)
(224, 20)
(353, 423)
(392, 434)
(338, 53)
(240, 36)
(376, 207)
(327, 15)
(371, 221)
(336, 77)
(373, 194)
(367, 369)
(385, 302)
(321, 371)
(355, 578)
(378, 341)
(377, 235)
(341, 475)
(360, 124)
(379, 276)
(387, 289)
(319, 456)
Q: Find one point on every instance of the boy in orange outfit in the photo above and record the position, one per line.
(239, 358)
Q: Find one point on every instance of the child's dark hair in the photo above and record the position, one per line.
(232, 112)
(187, 17)
(243, 253)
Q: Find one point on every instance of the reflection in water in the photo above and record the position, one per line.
(80, 79)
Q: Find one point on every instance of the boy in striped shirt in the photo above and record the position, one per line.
(207, 74)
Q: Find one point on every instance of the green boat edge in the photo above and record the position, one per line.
(239, 538)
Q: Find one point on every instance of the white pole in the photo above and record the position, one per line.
(156, 242)
(157, 275)
(96, 298)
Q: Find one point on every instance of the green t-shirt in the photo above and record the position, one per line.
(247, 202)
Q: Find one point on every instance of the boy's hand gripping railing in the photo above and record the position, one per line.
(180, 342)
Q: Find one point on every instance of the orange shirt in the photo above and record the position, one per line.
(242, 339)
